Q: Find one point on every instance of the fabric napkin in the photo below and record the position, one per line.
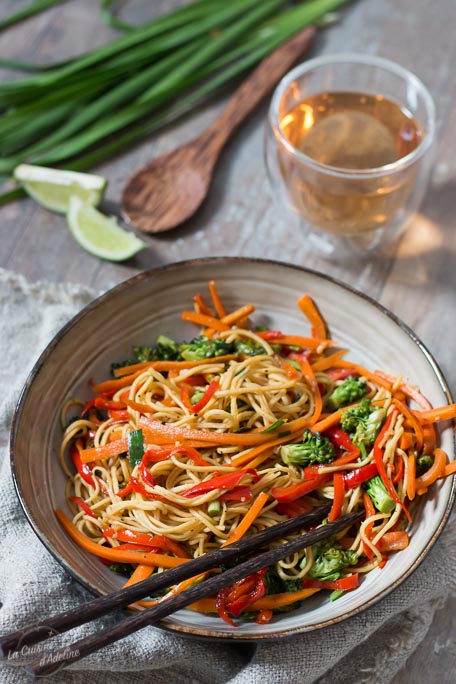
(367, 649)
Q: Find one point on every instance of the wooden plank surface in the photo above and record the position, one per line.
(418, 281)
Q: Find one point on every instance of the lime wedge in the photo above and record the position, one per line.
(52, 188)
(99, 234)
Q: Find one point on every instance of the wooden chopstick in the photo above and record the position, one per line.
(123, 597)
(73, 652)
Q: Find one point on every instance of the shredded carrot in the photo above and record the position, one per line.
(418, 430)
(248, 519)
(310, 311)
(220, 309)
(200, 306)
(250, 454)
(238, 315)
(408, 390)
(410, 483)
(435, 415)
(314, 388)
(290, 370)
(326, 362)
(394, 541)
(406, 441)
(437, 470)
(327, 422)
(450, 469)
(141, 573)
(110, 385)
(166, 433)
(114, 554)
(204, 320)
(339, 493)
(170, 366)
(118, 446)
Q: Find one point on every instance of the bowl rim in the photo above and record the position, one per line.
(201, 632)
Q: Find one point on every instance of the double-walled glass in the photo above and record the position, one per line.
(349, 209)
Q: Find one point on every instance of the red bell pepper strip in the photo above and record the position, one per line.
(136, 486)
(343, 584)
(338, 501)
(237, 494)
(378, 458)
(145, 475)
(400, 469)
(82, 468)
(145, 539)
(82, 504)
(264, 616)
(240, 595)
(294, 508)
(119, 416)
(222, 482)
(360, 475)
(340, 373)
(342, 440)
(287, 494)
(209, 393)
(270, 334)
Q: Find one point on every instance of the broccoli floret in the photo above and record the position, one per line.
(330, 560)
(121, 364)
(350, 390)
(363, 422)
(423, 463)
(143, 354)
(248, 347)
(314, 448)
(380, 497)
(124, 569)
(166, 349)
(204, 348)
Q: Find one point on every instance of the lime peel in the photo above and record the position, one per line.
(52, 188)
(99, 234)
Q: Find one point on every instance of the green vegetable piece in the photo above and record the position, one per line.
(379, 495)
(273, 426)
(330, 560)
(423, 463)
(135, 447)
(363, 422)
(213, 507)
(143, 354)
(204, 348)
(248, 347)
(337, 593)
(194, 399)
(121, 568)
(314, 448)
(350, 390)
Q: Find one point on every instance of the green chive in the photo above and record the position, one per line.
(274, 426)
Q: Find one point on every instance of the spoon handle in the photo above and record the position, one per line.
(255, 87)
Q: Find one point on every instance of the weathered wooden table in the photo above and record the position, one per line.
(240, 218)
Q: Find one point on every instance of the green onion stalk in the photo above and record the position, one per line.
(80, 112)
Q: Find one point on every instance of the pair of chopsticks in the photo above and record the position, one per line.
(63, 622)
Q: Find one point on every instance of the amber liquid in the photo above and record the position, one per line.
(349, 131)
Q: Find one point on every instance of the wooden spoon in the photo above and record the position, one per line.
(169, 190)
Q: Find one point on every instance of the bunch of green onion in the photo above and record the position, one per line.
(77, 113)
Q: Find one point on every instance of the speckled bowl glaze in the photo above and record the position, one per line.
(135, 312)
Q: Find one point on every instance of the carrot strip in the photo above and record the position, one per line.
(119, 446)
(394, 541)
(291, 372)
(200, 306)
(171, 366)
(166, 433)
(450, 469)
(110, 385)
(314, 388)
(114, 554)
(246, 457)
(437, 414)
(406, 441)
(141, 573)
(338, 501)
(248, 519)
(326, 362)
(310, 311)
(220, 309)
(436, 471)
(327, 422)
(204, 320)
(408, 390)
(418, 430)
(269, 602)
(238, 315)
(411, 477)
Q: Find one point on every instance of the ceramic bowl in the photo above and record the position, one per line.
(135, 312)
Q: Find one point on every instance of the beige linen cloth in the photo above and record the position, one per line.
(367, 649)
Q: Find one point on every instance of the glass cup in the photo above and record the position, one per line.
(347, 211)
